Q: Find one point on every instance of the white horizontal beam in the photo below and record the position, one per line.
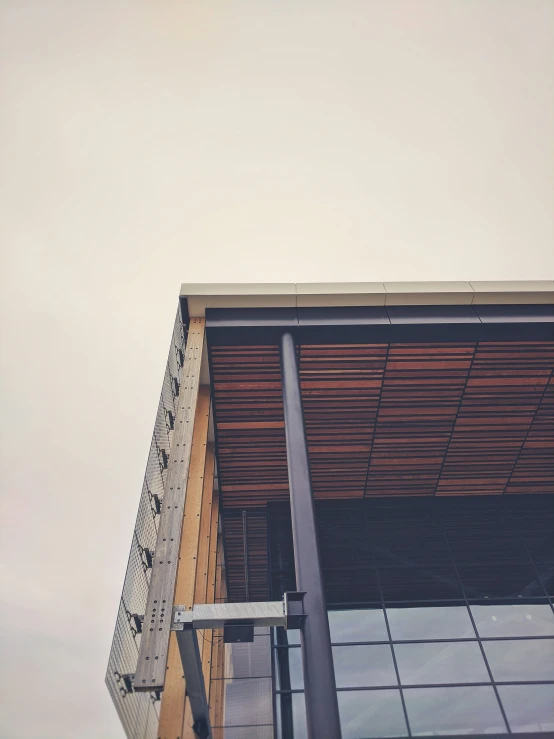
(217, 615)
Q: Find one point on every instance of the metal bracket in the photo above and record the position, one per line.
(238, 621)
(127, 680)
(194, 678)
(294, 609)
(218, 615)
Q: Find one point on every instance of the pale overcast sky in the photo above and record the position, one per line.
(145, 144)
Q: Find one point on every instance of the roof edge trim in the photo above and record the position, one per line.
(200, 296)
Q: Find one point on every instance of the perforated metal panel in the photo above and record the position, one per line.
(138, 712)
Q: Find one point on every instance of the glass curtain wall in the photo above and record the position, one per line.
(440, 612)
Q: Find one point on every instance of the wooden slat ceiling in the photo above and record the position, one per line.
(389, 419)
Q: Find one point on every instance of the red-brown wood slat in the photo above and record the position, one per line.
(340, 394)
(534, 469)
(501, 398)
(381, 420)
(422, 389)
(445, 419)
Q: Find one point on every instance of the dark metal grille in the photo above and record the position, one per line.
(138, 711)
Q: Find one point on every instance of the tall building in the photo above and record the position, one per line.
(346, 526)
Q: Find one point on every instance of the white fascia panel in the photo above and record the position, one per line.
(515, 292)
(331, 294)
(428, 293)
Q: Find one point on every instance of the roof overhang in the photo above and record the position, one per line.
(197, 297)
(409, 390)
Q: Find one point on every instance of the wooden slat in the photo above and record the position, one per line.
(154, 647)
(217, 688)
(416, 419)
(422, 389)
(534, 468)
(340, 392)
(210, 590)
(499, 404)
(173, 697)
(250, 424)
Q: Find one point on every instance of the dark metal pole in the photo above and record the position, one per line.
(322, 709)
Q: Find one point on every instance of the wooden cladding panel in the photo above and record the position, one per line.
(534, 468)
(503, 393)
(250, 423)
(340, 394)
(422, 389)
(256, 554)
(382, 420)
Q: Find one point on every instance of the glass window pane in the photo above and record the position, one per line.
(286, 636)
(442, 662)
(528, 707)
(546, 575)
(248, 702)
(463, 710)
(364, 666)
(371, 713)
(358, 625)
(449, 622)
(514, 620)
(419, 583)
(291, 716)
(525, 659)
(506, 580)
(288, 669)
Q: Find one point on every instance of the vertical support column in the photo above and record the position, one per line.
(322, 711)
(153, 653)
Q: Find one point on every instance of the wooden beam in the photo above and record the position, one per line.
(207, 648)
(201, 581)
(173, 697)
(217, 689)
(154, 646)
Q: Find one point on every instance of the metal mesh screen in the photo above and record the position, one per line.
(138, 712)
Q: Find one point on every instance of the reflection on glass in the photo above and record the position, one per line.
(291, 716)
(248, 702)
(364, 666)
(287, 636)
(440, 662)
(288, 672)
(371, 713)
(514, 620)
(463, 710)
(442, 622)
(357, 625)
(500, 581)
(419, 583)
(528, 707)
(249, 659)
(525, 659)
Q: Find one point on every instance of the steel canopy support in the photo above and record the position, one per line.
(194, 677)
(322, 711)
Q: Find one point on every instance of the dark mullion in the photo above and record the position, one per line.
(422, 686)
(246, 677)
(404, 709)
(495, 600)
(440, 523)
(457, 639)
